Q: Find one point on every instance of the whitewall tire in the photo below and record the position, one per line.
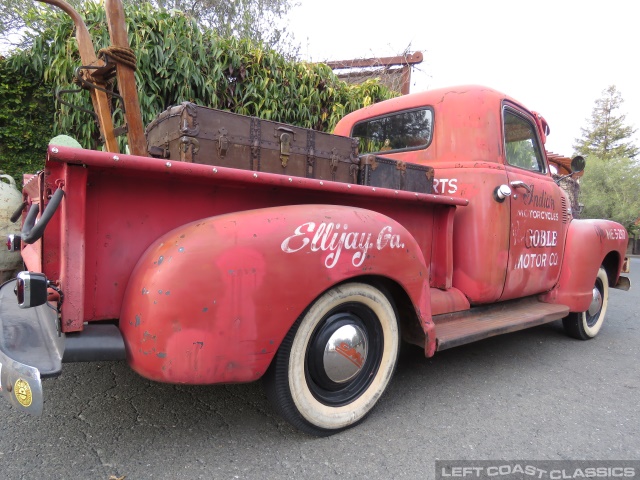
(336, 361)
(586, 325)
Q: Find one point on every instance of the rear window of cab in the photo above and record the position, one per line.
(395, 132)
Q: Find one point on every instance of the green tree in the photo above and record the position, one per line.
(263, 21)
(258, 20)
(606, 135)
(609, 189)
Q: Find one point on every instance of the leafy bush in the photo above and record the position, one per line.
(181, 61)
(25, 121)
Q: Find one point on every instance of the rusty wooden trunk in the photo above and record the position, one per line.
(191, 133)
(383, 172)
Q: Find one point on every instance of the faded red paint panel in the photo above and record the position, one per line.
(60, 254)
(132, 201)
(539, 223)
(72, 240)
(466, 152)
(211, 301)
(587, 244)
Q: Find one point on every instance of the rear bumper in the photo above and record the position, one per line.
(30, 349)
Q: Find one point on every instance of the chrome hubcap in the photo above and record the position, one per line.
(345, 353)
(596, 302)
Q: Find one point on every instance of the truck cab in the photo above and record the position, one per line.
(510, 241)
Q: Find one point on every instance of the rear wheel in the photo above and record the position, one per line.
(586, 325)
(336, 361)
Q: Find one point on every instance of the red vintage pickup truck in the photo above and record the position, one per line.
(203, 274)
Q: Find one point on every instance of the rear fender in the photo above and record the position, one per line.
(211, 301)
(588, 243)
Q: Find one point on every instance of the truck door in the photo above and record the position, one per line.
(538, 210)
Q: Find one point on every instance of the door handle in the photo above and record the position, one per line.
(520, 184)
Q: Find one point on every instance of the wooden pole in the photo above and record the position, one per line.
(404, 60)
(88, 56)
(126, 79)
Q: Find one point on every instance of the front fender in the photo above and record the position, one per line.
(588, 243)
(211, 301)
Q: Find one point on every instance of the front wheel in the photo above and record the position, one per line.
(336, 361)
(586, 325)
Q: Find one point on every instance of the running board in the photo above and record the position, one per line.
(454, 329)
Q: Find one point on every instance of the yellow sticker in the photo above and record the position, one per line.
(22, 391)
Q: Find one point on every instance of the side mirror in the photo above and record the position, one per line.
(577, 164)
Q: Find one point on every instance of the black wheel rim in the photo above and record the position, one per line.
(324, 389)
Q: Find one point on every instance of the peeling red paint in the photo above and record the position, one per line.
(232, 328)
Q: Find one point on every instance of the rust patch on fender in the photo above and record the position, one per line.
(148, 340)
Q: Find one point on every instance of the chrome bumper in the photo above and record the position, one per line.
(30, 349)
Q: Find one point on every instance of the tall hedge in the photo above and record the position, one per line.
(181, 61)
(26, 121)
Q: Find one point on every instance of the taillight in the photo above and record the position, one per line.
(20, 291)
(13, 243)
(31, 289)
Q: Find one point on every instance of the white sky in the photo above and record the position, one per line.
(555, 57)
